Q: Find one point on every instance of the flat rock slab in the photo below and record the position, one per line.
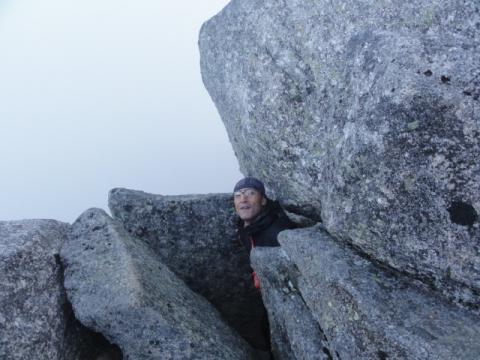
(194, 235)
(366, 113)
(36, 321)
(119, 287)
(367, 312)
(294, 332)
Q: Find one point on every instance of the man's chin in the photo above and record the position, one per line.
(248, 218)
(245, 216)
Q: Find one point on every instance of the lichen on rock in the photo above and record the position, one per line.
(367, 112)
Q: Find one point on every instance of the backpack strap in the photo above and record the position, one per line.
(255, 278)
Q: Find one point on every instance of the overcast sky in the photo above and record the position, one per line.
(102, 94)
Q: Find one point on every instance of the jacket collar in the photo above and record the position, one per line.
(266, 217)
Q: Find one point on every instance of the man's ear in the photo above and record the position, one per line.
(264, 201)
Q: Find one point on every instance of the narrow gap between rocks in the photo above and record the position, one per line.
(93, 345)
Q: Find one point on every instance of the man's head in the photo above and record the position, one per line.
(249, 198)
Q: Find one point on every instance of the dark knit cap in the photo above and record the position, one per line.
(250, 182)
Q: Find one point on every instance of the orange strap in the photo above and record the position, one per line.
(256, 280)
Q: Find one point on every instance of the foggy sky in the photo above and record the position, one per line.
(102, 94)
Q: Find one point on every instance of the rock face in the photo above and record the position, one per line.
(364, 311)
(118, 287)
(36, 321)
(367, 112)
(194, 235)
(295, 333)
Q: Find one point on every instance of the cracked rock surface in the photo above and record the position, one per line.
(368, 114)
(294, 332)
(364, 311)
(36, 321)
(194, 235)
(119, 287)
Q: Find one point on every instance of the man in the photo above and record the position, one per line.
(259, 222)
(260, 219)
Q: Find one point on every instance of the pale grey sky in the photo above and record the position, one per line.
(102, 94)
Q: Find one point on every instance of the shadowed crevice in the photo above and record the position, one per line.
(462, 213)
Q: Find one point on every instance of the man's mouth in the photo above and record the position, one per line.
(244, 207)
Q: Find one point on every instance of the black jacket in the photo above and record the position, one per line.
(265, 228)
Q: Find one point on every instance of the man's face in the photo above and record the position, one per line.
(248, 204)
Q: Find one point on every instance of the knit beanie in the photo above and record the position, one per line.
(250, 182)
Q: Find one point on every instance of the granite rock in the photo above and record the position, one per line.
(194, 235)
(370, 312)
(119, 287)
(366, 114)
(36, 321)
(295, 334)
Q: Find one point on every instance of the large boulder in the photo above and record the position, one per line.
(194, 235)
(36, 321)
(366, 113)
(365, 311)
(119, 287)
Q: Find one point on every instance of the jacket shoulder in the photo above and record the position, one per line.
(269, 236)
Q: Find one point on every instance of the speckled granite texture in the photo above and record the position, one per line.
(119, 287)
(366, 113)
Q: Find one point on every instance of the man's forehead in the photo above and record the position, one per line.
(245, 189)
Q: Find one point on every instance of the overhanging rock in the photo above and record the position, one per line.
(120, 288)
(369, 113)
(367, 312)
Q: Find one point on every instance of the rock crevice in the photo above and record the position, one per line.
(363, 310)
(194, 235)
(119, 287)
